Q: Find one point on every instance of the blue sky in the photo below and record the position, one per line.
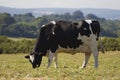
(110, 4)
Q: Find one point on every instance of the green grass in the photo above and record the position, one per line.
(16, 67)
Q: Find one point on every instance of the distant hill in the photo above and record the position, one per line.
(104, 13)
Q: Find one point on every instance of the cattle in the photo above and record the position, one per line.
(82, 35)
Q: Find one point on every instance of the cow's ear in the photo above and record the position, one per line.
(27, 57)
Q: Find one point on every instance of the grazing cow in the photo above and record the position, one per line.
(82, 35)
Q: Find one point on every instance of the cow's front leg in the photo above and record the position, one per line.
(87, 56)
(50, 58)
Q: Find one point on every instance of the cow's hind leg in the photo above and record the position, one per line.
(87, 56)
(95, 55)
(55, 60)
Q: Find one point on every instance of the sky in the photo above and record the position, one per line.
(109, 4)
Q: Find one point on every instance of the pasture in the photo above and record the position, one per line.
(16, 67)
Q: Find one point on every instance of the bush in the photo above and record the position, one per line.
(11, 46)
(110, 44)
(25, 46)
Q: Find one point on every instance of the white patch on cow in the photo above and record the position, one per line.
(79, 37)
(88, 42)
(53, 29)
(90, 29)
(53, 22)
(79, 24)
(53, 33)
(32, 58)
(89, 21)
(43, 26)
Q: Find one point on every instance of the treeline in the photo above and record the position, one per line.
(25, 46)
(26, 25)
(17, 25)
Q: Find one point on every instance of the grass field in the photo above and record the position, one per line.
(16, 67)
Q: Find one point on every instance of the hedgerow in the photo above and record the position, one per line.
(24, 46)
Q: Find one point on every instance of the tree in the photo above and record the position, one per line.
(28, 17)
(21, 30)
(92, 16)
(6, 19)
(78, 15)
(67, 16)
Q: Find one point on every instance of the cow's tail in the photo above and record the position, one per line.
(101, 44)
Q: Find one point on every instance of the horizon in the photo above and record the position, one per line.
(77, 4)
(58, 8)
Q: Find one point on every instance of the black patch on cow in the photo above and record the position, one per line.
(75, 24)
(45, 33)
(95, 28)
(66, 34)
(84, 29)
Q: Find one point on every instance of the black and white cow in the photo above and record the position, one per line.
(82, 35)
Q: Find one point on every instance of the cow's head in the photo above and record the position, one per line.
(35, 59)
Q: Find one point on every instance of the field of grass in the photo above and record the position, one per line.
(16, 67)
